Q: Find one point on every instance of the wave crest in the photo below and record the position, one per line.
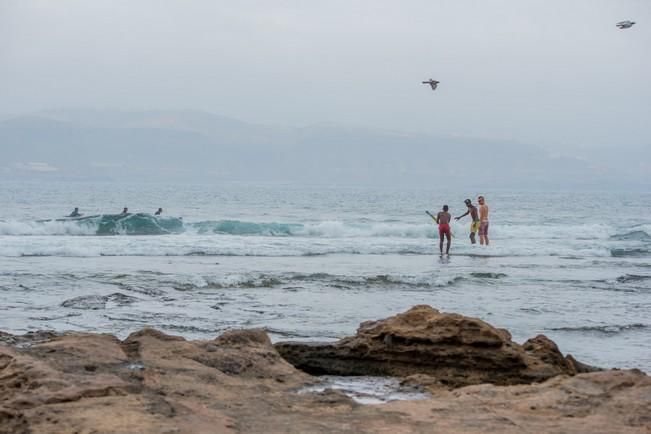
(637, 235)
(105, 224)
(147, 224)
(605, 329)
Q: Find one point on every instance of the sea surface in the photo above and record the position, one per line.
(311, 263)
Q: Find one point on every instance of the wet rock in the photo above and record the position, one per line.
(454, 349)
(27, 339)
(88, 302)
(96, 302)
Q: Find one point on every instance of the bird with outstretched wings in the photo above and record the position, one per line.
(625, 24)
(432, 83)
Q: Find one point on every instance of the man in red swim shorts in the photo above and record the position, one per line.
(443, 219)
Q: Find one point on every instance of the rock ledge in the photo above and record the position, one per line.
(454, 349)
(152, 382)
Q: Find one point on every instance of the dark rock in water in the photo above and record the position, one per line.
(95, 302)
(90, 302)
(454, 349)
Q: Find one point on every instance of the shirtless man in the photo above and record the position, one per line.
(483, 221)
(443, 219)
(474, 225)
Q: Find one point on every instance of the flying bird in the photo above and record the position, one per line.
(432, 83)
(625, 24)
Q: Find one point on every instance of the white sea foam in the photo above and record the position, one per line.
(329, 229)
(50, 227)
(229, 245)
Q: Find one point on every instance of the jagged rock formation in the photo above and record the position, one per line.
(454, 349)
(156, 383)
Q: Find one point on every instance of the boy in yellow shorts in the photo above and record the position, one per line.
(474, 225)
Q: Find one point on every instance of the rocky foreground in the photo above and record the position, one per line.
(480, 381)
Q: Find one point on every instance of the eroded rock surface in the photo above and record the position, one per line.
(156, 383)
(455, 349)
(603, 402)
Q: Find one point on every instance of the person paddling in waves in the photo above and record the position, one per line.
(474, 225)
(159, 212)
(125, 211)
(75, 213)
(483, 221)
(443, 219)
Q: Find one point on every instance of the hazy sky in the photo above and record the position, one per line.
(547, 72)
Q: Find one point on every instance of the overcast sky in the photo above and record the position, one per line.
(546, 72)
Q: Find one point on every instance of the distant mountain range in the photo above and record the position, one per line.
(193, 146)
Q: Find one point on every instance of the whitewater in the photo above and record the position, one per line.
(313, 262)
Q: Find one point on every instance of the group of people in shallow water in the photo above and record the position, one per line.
(75, 212)
(479, 223)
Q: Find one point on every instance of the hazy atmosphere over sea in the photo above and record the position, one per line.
(535, 94)
(295, 149)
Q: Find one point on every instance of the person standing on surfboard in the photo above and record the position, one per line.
(75, 213)
(443, 219)
(159, 211)
(483, 221)
(474, 225)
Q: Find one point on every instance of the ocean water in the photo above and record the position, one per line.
(311, 263)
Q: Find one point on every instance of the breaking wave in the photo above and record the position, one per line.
(106, 224)
(628, 278)
(488, 275)
(635, 252)
(637, 235)
(147, 224)
(235, 227)
(294, 280)
(605, 329)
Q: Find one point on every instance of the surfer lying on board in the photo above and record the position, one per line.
(474, 225)
(75, 213)
(443, 219)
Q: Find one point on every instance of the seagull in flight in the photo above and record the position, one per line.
(432, 83)
(625, 24)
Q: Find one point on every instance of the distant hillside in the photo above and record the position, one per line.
(190, 146)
